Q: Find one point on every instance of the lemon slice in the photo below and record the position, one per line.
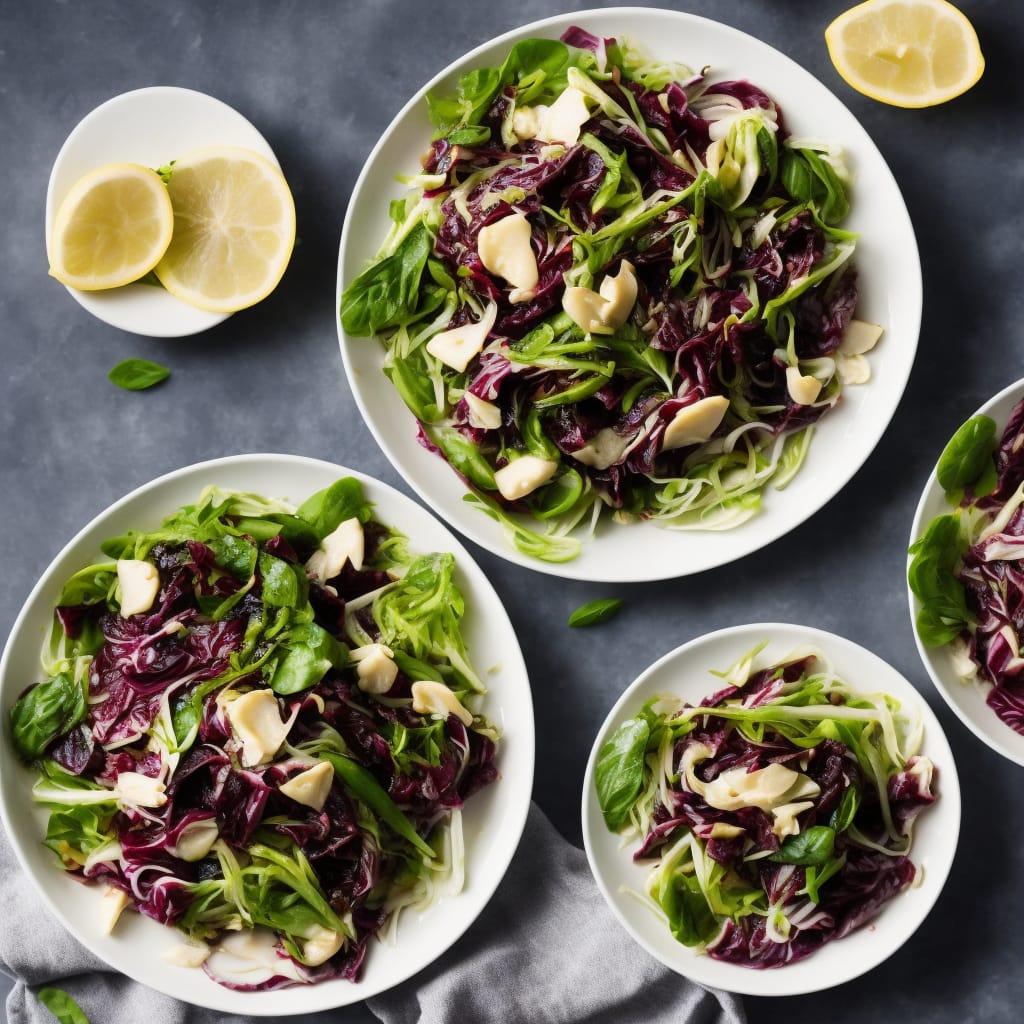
(111, 228)
(234, 229)
(909, 53)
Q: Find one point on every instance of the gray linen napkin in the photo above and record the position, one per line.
(546, 949)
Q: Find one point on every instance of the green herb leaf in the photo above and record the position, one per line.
(46, 712)
(815, 846)
(137, 374)
(968, 454)
(932, 577)
(595, 612)
(62, 1006)
(619, 772)
(386, 293)
(690, 918)
(326, 510)
(843, 815)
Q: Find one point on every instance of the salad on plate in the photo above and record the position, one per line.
(965, 568)
(776, 815)
(259, 724)
(616, 286)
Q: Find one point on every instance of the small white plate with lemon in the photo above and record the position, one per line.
(213, 237)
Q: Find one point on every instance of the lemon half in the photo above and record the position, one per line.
(234, 229)
(908, 53)
(111, 229)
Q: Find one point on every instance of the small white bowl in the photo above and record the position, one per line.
(686, 672)
(493, 819)
(151, 127)
(966, 699)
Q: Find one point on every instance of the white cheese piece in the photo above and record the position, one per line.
(249, 957)
(196, 840)
(457, 347)
(523, 476)
(803, 389)
(432, 698)
(695, 423)
(964, 665)
(785, 817)
(344, 544)
(140, 583)
(321, 945)
(483, 415)
(140, 790)
(256, 722)
(114, 901)
(606, 310)
(505, 250)
(560, 122)
(860, 337)
(310, 788)
(186, 954)
(375, 667)
(604, 449)
(853, 369)
(723, 830)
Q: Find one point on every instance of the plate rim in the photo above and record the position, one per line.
(508, 831)
(480, 530)
(771, 983)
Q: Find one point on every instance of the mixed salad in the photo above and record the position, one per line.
(615, 285)
(966, 567)
(778, 813)
(259, 724)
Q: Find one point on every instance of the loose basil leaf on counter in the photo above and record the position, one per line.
(595, 612)
(137, 374)
(62, 1006)
(619, 772)
(968, 454)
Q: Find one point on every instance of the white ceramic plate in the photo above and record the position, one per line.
(890, 284)
(493, 819)
(966, 699)
(151, 127)
(686, 672)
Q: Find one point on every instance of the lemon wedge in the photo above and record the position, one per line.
(234, 229)
(908, 53)
(111, 228)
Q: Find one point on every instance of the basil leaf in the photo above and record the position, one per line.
(843, 815)
(62, 1006)
(235, 554)
(932, 578)
(137, 374)
(326, 510)
(968, 454)
(281, 585)
(386, 293)
(690, 918)
(595, 612)
(815, 846)
(619, 772)
(309, 652)
(47, 711)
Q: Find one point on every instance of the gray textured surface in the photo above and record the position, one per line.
(321, 81)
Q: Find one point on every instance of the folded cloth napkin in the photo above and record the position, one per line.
(546, 949)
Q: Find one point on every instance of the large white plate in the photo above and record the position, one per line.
(686, 672)
(887, 260)
(493, 818)
(966, 699)
(149, 126)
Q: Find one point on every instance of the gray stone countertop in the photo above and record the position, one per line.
(321, 81)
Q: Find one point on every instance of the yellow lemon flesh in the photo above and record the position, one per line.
(908, 53)
(111, 228)
(234, 229)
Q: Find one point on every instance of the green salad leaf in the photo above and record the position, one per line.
(595, 612)
(968, 454)
(138, 374)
